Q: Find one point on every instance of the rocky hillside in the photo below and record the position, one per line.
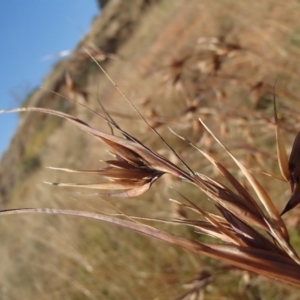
(176, 61)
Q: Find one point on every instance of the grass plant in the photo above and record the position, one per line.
(249, 231)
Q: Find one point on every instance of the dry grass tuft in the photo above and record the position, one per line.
(251, 234)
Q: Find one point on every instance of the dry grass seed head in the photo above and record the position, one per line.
(135, 168)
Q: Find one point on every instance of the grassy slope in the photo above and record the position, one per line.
(59, 257)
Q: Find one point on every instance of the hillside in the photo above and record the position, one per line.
(176, 61)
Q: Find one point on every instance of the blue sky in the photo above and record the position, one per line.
(30, 33)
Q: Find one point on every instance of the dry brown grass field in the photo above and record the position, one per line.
(176, 61)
